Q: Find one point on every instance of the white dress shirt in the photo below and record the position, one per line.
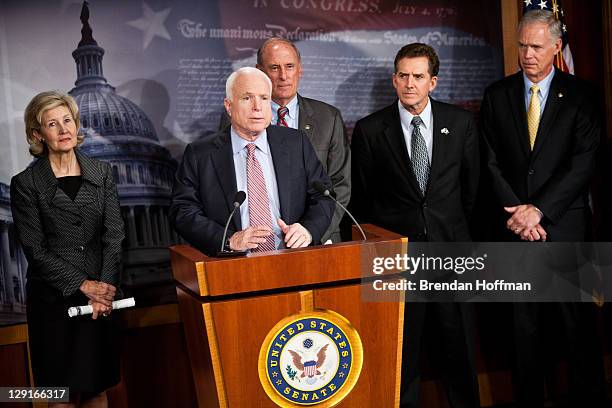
(543, 88)
(426, 127)
(264, 157)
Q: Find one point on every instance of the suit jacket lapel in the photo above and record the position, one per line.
(516, 99)
(47, 183)
(307, 120)
(439, 140)
(282, 163)
(394, 135)
(44, 179)
(63, 202)
(553, 104)
(223, 162)
(92, 180)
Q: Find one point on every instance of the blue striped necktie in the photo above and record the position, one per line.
(419, 156)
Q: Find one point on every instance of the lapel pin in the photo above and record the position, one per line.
(307, 127)
(445, 131)
(560, 95)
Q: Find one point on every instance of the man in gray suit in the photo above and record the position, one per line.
(281, 61)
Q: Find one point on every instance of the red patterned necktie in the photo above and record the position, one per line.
(259, 204)
(282, 112)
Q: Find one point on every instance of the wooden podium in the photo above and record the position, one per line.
(229, 305)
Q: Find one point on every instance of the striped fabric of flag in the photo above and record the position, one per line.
(310, 368)
(563, 60)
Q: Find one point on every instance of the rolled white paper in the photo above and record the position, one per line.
(88, 309)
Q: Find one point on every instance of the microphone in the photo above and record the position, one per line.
(238, 200)
(320, 187)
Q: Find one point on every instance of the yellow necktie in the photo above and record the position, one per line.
(533, 115)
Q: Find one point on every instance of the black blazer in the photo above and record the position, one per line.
(205, 185)
(325, 129)
(65, 241)
(385, 190)
(555, 175)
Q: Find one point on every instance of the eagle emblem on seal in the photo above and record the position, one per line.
(310, 367)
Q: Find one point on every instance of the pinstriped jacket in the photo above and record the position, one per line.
(65, 241)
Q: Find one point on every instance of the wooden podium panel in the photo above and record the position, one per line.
(225, 331)
(380, 326)
(200, 351)
(241, 327)
(287, 268)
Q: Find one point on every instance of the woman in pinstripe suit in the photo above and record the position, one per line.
(67, 218)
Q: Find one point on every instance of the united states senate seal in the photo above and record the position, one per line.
(310, 358)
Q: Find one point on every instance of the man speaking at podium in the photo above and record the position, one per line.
(280, 60)
(275, 166)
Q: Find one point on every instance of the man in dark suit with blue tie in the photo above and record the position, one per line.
(275, 166)
(541, 127)
(415, 172)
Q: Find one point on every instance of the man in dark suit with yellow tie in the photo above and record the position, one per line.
(541, 129)
(415, 172)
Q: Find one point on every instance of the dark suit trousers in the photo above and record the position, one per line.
(452, 333)
(543, 331)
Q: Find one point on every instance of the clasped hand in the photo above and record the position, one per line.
(296, 236)
(100, 296)
(525, 222)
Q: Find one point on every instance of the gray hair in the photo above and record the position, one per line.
(229, 84)
(274, 40)
(545, 17)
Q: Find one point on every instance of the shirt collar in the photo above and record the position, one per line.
(425, 115)
(292, 106)
(543, 85)
(239, 143)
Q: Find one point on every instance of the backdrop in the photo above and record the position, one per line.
(155, 80)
